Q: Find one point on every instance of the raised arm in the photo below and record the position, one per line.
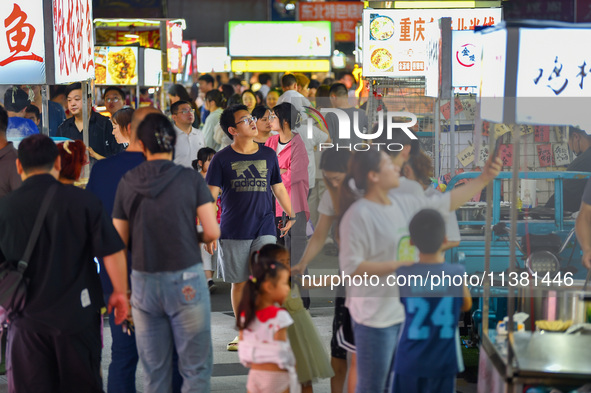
(463, 194)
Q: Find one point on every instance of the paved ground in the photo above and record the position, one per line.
(228, 374)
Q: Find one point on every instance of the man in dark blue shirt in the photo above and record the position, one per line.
(15, 103)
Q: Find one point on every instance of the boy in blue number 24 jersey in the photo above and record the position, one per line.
(428, 355)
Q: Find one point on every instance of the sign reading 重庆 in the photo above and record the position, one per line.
(344, 15)
(395, 43)
(22, 50)
(73, 40)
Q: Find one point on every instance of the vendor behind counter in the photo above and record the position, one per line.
(579, 143)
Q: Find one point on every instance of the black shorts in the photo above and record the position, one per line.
(343, 340)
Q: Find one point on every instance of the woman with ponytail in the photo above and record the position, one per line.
(73, 158)
(156, 207)
(374, 242)
(215, 102)
(264, 344)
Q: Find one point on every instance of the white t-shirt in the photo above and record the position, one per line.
(452, 229)
(373, 232)
(258, 344)
(187, 146)
(325, 206)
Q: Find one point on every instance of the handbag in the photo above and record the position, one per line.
(13, 284)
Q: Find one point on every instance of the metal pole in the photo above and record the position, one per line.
(44, 111)
(86, 122)
(452, 134)
(437, 130)
(513, 254)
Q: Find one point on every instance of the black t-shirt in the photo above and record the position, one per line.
(163, 231)
(572, 190)
(100, 134)
(64, 292)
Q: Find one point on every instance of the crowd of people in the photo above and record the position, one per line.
(232, 182)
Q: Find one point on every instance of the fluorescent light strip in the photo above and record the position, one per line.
(279, 65)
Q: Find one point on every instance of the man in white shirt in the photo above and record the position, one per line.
(188, 138)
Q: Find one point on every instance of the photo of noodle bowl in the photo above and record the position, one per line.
(381, 59)
(381, 28)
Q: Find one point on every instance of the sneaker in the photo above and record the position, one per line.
(212, 286)
(233, 345)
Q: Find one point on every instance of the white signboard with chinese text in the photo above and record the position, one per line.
(22, 46)
(466, 58)
(554, 63)
(394, 42)
(73, 40)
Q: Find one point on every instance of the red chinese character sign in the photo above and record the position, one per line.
(22, 47)
(395, 42)
(344, 16)
(73, 40)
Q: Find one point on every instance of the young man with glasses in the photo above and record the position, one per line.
(248, 175)
(188, 138)
(114, 99)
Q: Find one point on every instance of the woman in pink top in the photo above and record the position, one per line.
(293, 161)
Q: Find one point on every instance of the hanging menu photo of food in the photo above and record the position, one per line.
(116, 65)
(394, 40)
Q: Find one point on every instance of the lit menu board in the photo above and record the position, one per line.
(394, 40)
(152, 67)
(280, 39)
(116, 65)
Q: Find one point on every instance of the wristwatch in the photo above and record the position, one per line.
(291, 218)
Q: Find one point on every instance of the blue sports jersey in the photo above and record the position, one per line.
(429, 343)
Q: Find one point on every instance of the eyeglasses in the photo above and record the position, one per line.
(184, 112)
(115, 99)
(269, 118)
(247, 120)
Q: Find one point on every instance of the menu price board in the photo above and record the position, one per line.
(395, 43)
(116, 65)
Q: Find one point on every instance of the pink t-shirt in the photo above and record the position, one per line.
(294, 159)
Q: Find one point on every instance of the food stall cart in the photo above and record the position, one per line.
(139, 53)
(533, 353)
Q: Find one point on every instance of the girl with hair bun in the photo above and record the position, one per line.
(156, 207)
(73, 158)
